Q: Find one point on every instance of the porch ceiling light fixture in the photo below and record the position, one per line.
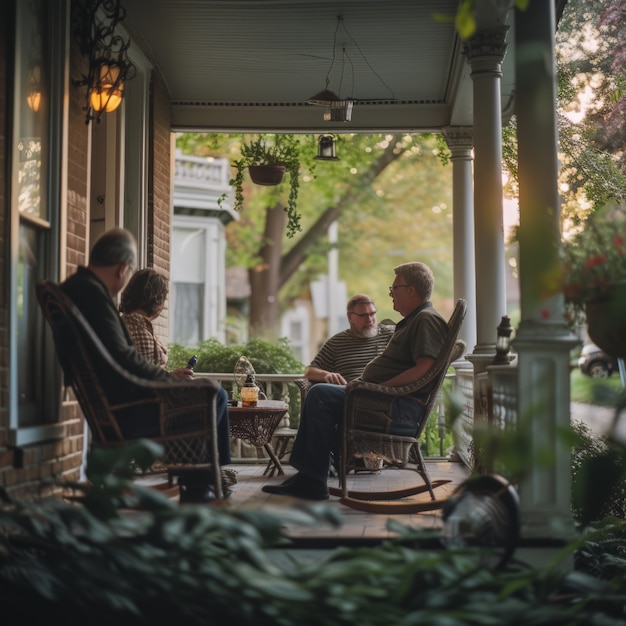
(339, 109)
(95, 25)
(326, 150)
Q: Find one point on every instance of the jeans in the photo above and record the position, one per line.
(322, 413)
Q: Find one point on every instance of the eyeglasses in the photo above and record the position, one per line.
(372, 314)
(392, 287)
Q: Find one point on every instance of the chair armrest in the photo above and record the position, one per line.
(303, 384)
(404, 390)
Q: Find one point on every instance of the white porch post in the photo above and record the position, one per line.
(485, 52)
(460, 142)
(543, 340)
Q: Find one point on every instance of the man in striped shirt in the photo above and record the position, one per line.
(344, 356)
(417, 341)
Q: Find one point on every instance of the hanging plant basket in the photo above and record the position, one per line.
(267, 174)
(606, 321)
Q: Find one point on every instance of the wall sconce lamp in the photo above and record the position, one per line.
(95, 22)
(326, 148)
(503, 341)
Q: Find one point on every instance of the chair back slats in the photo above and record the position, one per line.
(368, 407)
(76, 360)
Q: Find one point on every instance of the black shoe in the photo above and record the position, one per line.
(195, 495)
(289, 480)
(197, 489)
(300, 486)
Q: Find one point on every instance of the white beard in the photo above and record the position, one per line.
(366, 333)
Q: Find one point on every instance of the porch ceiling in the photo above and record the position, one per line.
(252, 64)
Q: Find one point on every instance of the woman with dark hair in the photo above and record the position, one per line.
(141, 303)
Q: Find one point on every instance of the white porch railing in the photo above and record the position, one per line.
(490, 396)
(281, 387)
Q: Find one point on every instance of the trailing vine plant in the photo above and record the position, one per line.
(279, 149)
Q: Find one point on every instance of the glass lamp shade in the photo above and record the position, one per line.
(106, 98)
(34, 94)
(108, 89)
(339, 111)
(326, 148)
(34, 100)
(249, 392)
(503, 341)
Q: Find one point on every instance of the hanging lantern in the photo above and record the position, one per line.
(326, 148)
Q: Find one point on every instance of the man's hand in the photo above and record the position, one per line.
(334, 379)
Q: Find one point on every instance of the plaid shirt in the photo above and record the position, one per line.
(141, 332)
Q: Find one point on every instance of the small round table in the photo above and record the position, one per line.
(256, 425)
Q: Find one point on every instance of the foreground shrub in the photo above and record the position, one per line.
(598, 477)
(93, 564)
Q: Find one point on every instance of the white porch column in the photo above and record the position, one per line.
(485, 52)
(460, 142)
(543, 340)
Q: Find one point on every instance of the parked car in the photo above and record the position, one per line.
(596, 363)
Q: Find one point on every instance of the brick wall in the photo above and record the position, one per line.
(23, 470)
(78, 172)
(160, 191)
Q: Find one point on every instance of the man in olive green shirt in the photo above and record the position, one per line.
(412, 350)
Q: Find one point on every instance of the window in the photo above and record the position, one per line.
(34, 218)
(188, 301)
(295, 325)
(136, 106)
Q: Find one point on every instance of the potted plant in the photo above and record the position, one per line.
(594, 282)
(268, 158)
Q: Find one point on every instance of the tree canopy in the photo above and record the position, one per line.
(390, 194)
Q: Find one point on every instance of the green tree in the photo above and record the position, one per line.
(375, 176)
(589, 111)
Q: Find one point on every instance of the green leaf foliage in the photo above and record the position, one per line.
(199, 565)
(598, 477)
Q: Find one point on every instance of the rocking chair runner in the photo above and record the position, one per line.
(366, 425)
(185, 411)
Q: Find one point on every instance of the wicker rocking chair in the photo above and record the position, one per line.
(186, 410)
(366, 425)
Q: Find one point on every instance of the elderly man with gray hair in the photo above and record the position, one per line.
(412, 350)
(344, 356)
(112, 261)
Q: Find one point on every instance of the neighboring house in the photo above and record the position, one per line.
(198, 249)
